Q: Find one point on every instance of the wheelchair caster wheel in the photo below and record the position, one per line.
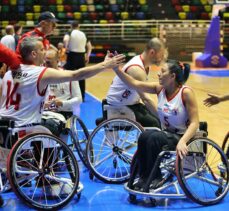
(91, 176)
(132, 199)
(1, 201)
(153, 202)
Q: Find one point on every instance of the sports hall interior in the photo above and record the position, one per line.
(125, 26)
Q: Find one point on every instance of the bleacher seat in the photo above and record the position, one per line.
(61, 15)
(140, 15)
(99, 7)
(175, 2)
(207, 8)
(124, 15)
(59, 2)
(204, 2)
(29, 16)
(36, 15)
(60, 8)
(91, 8)
(90, 1)
(68, 8)
(51, 2)
(69, 15)
(5, 8)
(93, 16)
(226, 15)
(21, 2)
(13, 2)
(182, 15)
(36, 8)
(186, 8)
(204, 16)
(112, 1)
(82, 2)
(52, 8)
(178, 8)
(83, 8)
(144, 8)
(109, 16)
(194, 8)
(114, 8)
(29, 23)
(77, 15)
(5, 2)
(142, 1)
(103, 21)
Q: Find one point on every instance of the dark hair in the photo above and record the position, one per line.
(180, 69)
(17, 27)
(75, 24)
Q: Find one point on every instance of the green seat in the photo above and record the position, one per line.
(29, 2)
(61, 15)
(145, 8)
(99, 7)
(119, 2)
(5, 8)
(52, 8)
(196, 2)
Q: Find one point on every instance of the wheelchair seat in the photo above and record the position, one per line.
(110, 112)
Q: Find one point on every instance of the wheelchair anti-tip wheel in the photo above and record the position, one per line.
(79, 138)
(43, 171)
(200, 172)
(110, 149)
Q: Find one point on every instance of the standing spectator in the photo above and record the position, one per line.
(17, 33)
(46, 25)
(78, 51)
(61, 54)
(8, 40)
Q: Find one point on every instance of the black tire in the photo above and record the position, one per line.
(199, 173)
(109, 157)
(54, 176)
(225, 145)
(80, 136)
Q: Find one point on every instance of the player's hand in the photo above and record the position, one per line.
(211, 100)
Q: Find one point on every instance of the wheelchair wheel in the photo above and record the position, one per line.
(110, 149)
(225, 145)
(80, 136)
(200, 172)
(49, 166)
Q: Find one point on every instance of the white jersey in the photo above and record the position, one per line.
(69, 93)
(172, 112)
(21, 99)
(119, 93)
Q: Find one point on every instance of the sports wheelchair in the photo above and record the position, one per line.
(202, 175)
(73, 131)
(40, 168)
(112, 144)
(225, 145)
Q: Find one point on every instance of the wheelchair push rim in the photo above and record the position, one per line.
(110, 149)
(43, 171)
(204, 173)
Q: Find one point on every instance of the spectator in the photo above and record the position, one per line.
(61, 54)
(8, 40)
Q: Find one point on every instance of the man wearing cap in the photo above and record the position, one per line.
(46, 24)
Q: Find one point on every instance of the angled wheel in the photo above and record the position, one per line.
(49, 166)
(110, 149)
(200, 172)
(80, 136)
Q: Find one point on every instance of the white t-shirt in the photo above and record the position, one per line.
(9, 41)
(119, 94)
(77, 41)
(172, 112)
(21, 99)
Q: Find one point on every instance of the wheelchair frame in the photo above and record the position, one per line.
(172, 166)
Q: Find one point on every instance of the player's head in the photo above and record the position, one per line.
(51, 58)
(32, 50)
(174, 72)
(156, 51)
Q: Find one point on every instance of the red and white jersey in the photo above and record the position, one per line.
(21, 99)
(119, 93)
(172, 112)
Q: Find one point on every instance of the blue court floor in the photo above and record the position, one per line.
(98, 196)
